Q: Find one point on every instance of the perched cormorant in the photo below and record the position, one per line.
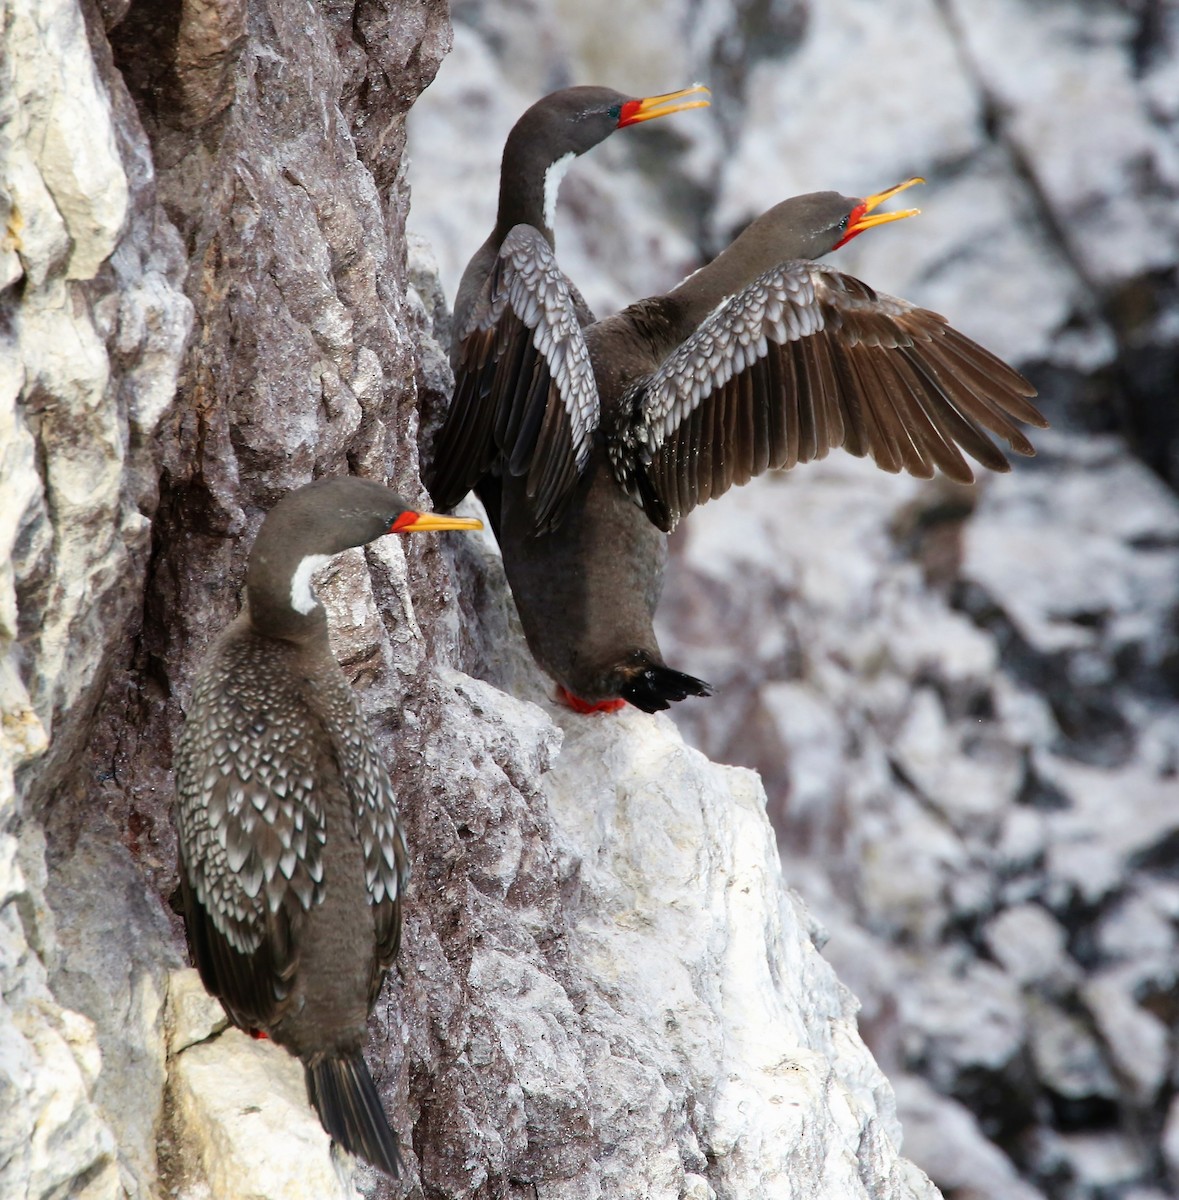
(292, 856)
(762, 359)
(501, 334)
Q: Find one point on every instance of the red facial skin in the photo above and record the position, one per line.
(404, 521)
(629, 109)
(856, 214)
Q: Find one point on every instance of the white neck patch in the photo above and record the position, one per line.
(302, 597)
(552, 182)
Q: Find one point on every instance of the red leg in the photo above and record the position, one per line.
(588, 706)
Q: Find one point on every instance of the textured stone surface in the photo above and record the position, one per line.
(941, 708)
(747, 1038)
(237, 170)
(962, 702)
(94, 324)
(244, 1127)
(54, 1139)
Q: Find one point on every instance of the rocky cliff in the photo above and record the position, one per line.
(604, 988)
(962, 702)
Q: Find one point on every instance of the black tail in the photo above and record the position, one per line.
(654, 687)
(344, 1095)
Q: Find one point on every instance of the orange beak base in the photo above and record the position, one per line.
(652, 107)
(863, 217)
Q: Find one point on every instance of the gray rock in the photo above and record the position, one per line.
(111, 963)
(74, 538)
(1137, 1040)
(1066, 1054)
(946, 1136)
(1030, 945)
(54, 1138)
(1108, 1161)
(193, 1015)
(1093, 842)
(1137, 934)
(1079, 123)
(973, 1020)
(1109, 598)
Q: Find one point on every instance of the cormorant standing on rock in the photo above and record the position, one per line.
(761, 360)
(292, 857)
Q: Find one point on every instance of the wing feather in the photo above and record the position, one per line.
(524, 393)
(848, 385)
(804, 360)
(252, 829)
(253, 797)
(760, 413)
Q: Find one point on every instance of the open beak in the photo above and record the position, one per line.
(866, 218)
(647, 109)
(429, 522)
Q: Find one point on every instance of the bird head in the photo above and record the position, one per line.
(576, 119)
(310, 525)
(809, 226)
(561, 126)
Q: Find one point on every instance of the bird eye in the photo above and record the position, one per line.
(843, 222)
(615, 112)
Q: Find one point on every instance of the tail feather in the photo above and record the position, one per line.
(345, 1097)
(655, 687)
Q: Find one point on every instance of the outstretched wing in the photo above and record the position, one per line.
(803, 360)
(523, 334)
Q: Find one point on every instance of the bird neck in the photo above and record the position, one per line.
(280, 599)
(528, 184)
(705, 290)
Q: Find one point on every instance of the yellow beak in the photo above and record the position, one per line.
(429, 522)
(866, 221)
(651, 107)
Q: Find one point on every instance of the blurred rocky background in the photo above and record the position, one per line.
(964, 702)
(205, 299)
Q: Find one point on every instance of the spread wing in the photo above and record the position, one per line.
(523, 332)
(803, 360)
(253, 798)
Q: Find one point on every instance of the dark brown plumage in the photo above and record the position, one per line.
(516, 316)
(763, 359)
(292, 856)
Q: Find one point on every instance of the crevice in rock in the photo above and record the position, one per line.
(1140, 378)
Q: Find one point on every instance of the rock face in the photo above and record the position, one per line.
(94, 326)
(962, 701)
(604, 989)
(971, 789)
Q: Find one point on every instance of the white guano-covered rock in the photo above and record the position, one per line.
(246, 1130)
(706, 979)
